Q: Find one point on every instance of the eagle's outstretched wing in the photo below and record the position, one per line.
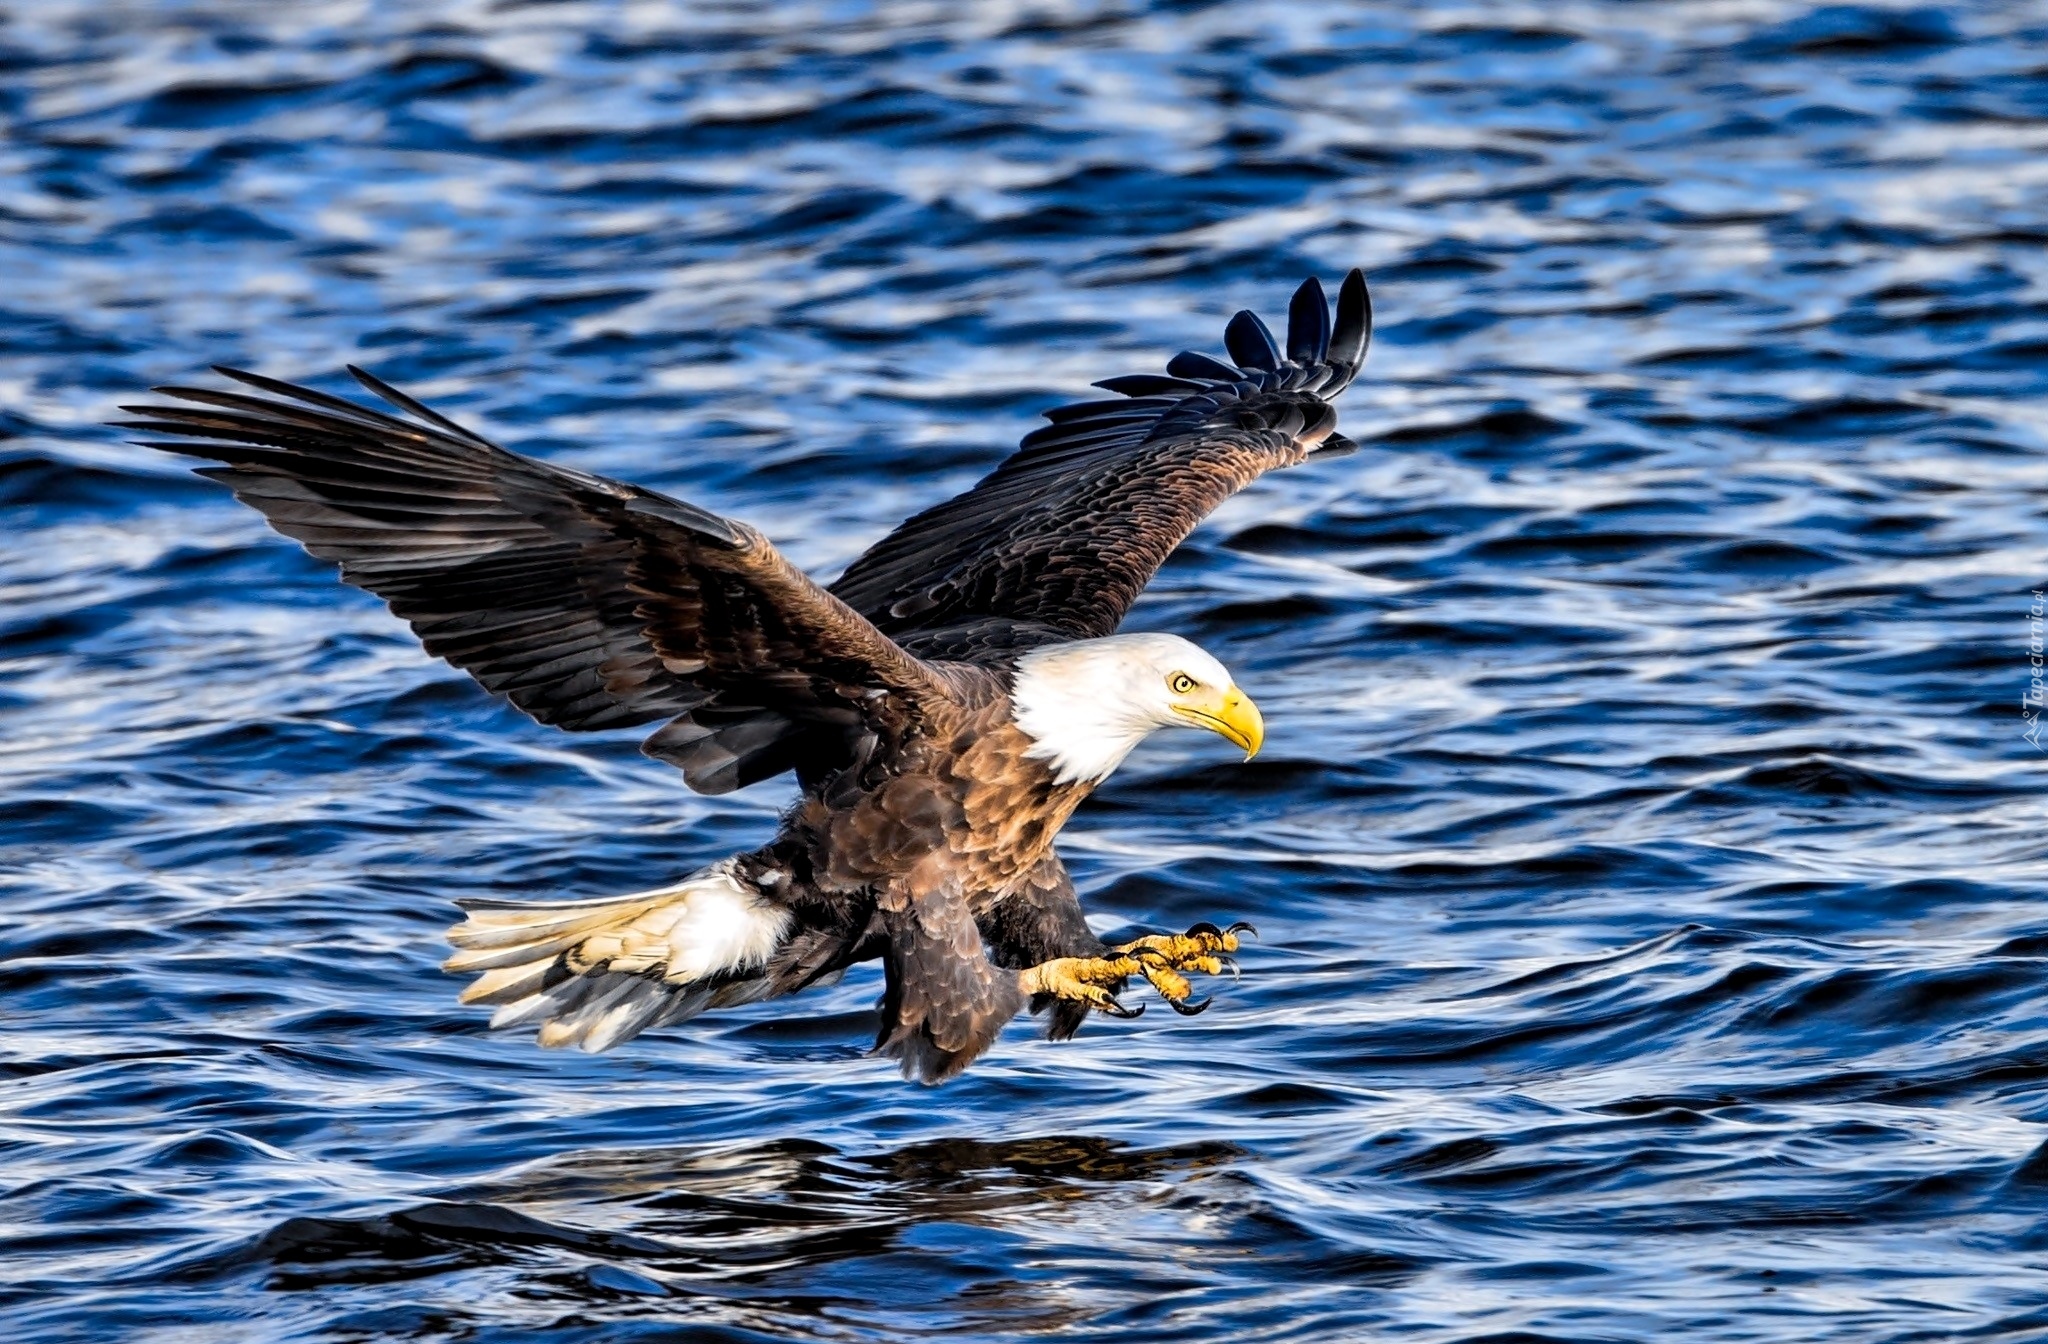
(1060, 539)
(588, 603)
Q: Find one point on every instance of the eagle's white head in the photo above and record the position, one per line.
(1086, 704)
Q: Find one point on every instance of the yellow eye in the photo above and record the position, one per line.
(1180, 683)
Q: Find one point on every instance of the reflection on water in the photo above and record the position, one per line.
(793, 1238)
(1647, 854)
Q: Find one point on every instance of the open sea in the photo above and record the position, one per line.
(1650, 851)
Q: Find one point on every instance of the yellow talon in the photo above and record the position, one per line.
(1160, 958)
(1171, 984)
(1164, 956)
(1083, 978)
(1181, 948)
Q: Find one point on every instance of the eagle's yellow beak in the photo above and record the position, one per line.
(1231, 714)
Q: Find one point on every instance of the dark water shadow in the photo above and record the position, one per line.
(794, 1238)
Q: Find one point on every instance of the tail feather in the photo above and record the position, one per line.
(495, 927)
(509, 983)
(573, 1027)
(633, 1013)
(596, 973)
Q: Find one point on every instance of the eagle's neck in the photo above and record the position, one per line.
(1074, 702)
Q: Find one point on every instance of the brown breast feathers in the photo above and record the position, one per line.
(964, 801)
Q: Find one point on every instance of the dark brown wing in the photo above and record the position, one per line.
(1060, 539)
(588, 603)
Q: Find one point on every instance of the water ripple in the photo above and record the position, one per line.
(1647, 850)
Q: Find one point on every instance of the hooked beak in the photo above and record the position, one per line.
(1234, 717)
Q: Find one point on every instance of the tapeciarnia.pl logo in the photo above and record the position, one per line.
(2031, 703)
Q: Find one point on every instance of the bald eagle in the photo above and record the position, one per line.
(945, 705)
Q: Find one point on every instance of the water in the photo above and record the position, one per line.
(1647, 848)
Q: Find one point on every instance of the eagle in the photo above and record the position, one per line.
(945, 705)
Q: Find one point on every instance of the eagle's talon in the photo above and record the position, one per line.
(1190, 950)
(1171, 984)
(1166, 959)
(1090, 980)
(1243, 926)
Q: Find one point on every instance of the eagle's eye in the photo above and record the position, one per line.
(1180, 683)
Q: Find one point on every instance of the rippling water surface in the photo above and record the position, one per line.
(1648, 853)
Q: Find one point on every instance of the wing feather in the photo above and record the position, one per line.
(1308, 324)
(1061, 538)
(587, 603)
(1250, 344)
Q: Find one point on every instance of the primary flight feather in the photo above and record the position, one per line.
(945, 705)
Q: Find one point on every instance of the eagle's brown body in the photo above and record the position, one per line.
(934, 859)
(962, 786)
(930, 790)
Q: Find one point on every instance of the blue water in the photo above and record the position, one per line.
(1648, 854)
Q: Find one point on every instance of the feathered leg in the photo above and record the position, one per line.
(943, 1001)
(1038, 922)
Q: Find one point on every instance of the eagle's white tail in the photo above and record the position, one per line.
(595, 973)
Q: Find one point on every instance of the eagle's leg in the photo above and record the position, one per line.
(1163, 956)
(1091, 980)
(1160, 958)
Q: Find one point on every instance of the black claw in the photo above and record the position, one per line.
(1230, 966)
(1115, 1009)
(1243, 926)
(1186, 1009)
(1205, 927)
